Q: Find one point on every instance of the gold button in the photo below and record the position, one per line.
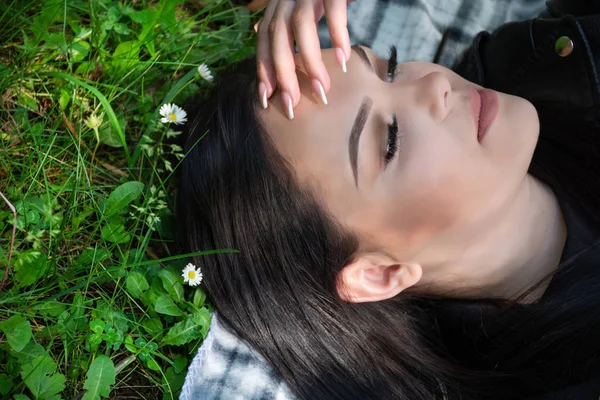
(564, 46)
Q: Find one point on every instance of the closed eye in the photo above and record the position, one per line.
(393, 132)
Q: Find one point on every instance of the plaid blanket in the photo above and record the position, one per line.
(422, 30)
(417, 27)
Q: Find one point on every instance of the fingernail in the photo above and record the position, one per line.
(341, 58)
(287, 102)
(318, 88)
(262, 93)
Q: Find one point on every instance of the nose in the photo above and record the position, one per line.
(433, 93)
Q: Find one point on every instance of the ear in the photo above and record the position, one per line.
(375, 277)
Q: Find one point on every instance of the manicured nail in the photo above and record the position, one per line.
(262, 93)
(341, 58)
(287, 102)
(318, 88)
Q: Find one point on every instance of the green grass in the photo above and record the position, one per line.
(94, 304)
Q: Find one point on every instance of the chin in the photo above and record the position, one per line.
(530, 128)
(523, 115)
(518, 133)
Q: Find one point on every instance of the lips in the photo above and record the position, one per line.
(475, 107)
(484, 106)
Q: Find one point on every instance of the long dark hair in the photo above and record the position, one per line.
(279, 292)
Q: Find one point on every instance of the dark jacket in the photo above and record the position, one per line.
(553, 61)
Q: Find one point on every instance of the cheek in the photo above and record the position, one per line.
(440, 181)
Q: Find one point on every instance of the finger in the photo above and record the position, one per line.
(336, 12)
(304, 24)
(264, 63)
(256, 5)
(282, 54)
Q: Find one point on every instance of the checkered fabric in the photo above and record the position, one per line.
(417, 27)
(226, 368)
(422, 30)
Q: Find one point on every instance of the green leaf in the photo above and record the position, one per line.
(121, 197)
(51, 308)
(105, 312)
(86, 67)
(151, 346)
(153, 326)
(49, 13)
(39, 378)
(136, 284)
(99, 378)
(172, 284)
(182, 332)
(97, 326)
(199, 297)
(93, 342)
(127, 53)
(79, 50)
(64, 99)
(17, 330)
(20, 397)
(202, 317)
(172, 382)
(109, 136)
(29, 353)
(5, 384)
(152, 364)
(129, 345)
(30, 266)
(179, 364)
(113, 338)
(115, 232)
(165, 305)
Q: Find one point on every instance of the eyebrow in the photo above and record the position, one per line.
(363, 56)
(357, 127)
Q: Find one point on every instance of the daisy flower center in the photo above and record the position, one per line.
(191, 274)
(172, 117)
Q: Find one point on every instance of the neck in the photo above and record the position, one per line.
(525, 246)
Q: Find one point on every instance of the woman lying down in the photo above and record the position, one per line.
(409, 231)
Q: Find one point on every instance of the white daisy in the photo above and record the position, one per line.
(172, 113)
(205, 72)
(191, 276)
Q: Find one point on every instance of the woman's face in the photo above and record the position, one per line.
(442, 190)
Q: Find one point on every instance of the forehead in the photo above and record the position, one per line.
(315, 142)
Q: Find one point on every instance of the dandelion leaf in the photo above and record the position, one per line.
(183, 332)
(136, 284)
(121, 197)
(172, 284)
(40, 378)
(165, 305)
(99, 378)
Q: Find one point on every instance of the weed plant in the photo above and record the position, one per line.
(94, 304)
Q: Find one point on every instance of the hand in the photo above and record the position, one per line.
(284, 21)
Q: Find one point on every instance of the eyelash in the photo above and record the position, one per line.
(393, 133)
